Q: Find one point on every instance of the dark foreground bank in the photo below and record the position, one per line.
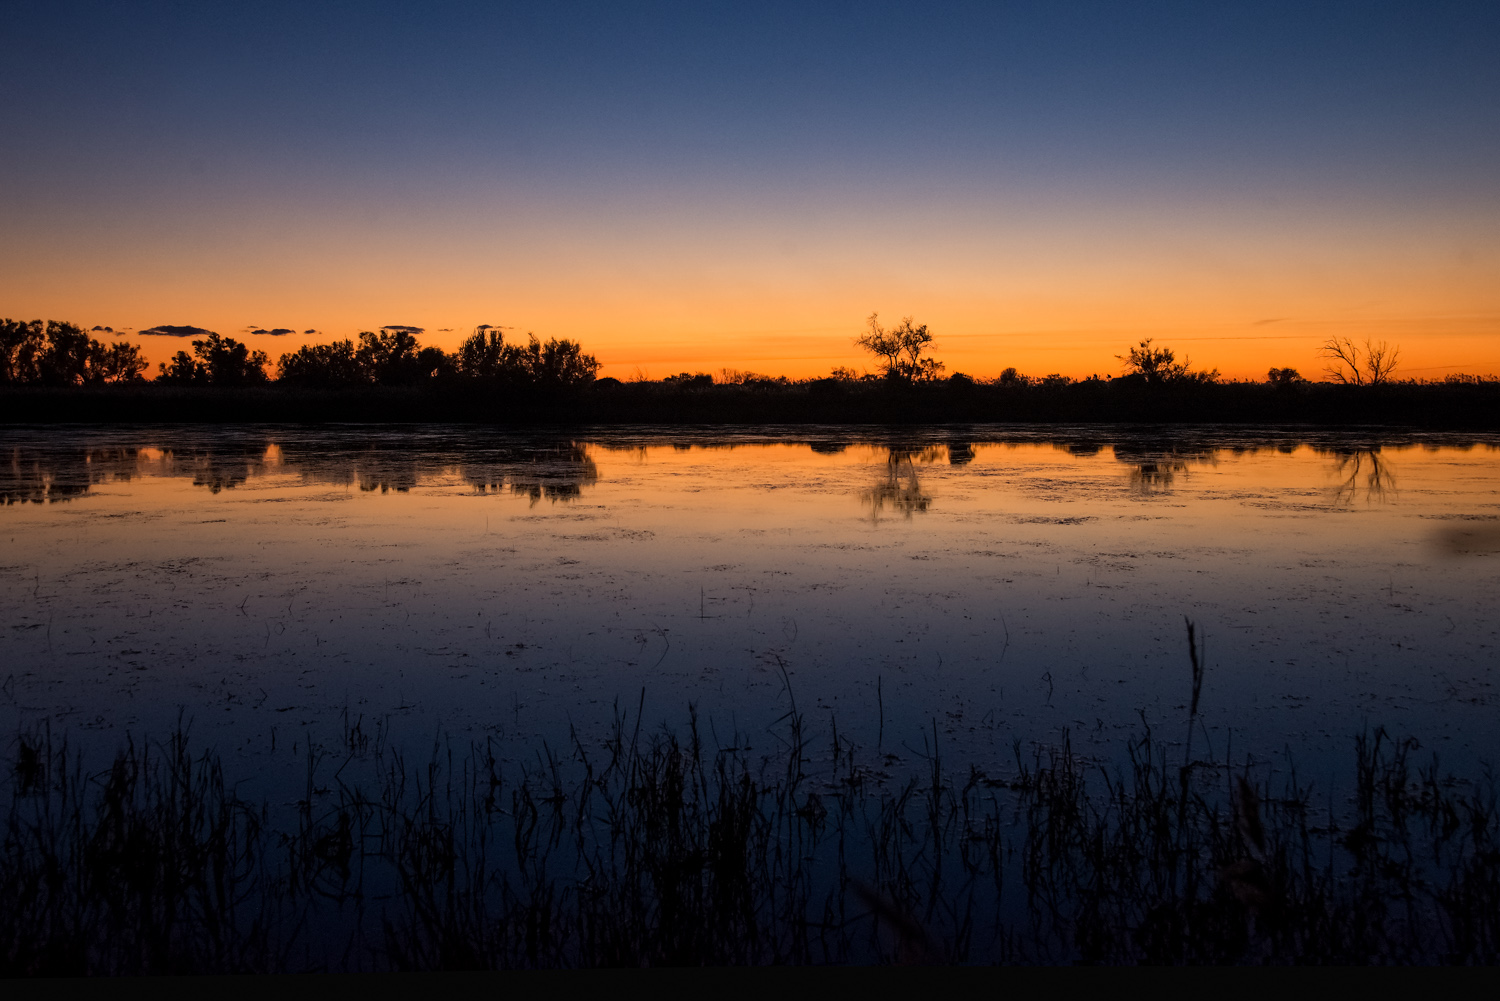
(672, 849)
(1459, 404)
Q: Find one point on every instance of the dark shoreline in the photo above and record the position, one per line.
(1446, 406)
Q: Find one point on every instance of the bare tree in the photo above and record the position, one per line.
(900, 349)
(1355, 365)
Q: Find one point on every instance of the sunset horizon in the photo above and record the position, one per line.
(682, 189)
(520, 486)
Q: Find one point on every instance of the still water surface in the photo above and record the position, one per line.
(972, 586)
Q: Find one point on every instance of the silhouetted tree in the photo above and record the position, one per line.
(216, 361)
(900, 349)
(389, 357)
(65, 360)
(394, 357)
(63, 354)
(117, 362)
(322, 365)
(229, 362)
(1352, 365)
(1010, 377)
(1284, 377)
(557, 364)
(482, 353)
(21, 342)
(1160, 365)
(181, 370)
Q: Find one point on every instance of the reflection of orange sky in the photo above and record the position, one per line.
(662, 290)
(1428, 473)
(1407, 478)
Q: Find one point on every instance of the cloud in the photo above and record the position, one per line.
(445, 330)
(172, 330)
(106, 330)
(1262, 323)
(312, 331)
(274, 332)
(402, 326)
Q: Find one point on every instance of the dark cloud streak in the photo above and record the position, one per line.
(175, 330)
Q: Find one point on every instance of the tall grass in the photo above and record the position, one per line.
(661, 848)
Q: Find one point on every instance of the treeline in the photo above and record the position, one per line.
(1468, 404)
(55, 353)
(394, 357)
(63, 354)
(57, 372)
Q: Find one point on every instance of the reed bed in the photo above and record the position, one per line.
(662, 848)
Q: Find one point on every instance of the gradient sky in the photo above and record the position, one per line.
(691, 186)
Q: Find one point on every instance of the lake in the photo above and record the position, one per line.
(969, 586)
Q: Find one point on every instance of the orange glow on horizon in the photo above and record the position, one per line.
(658, 290)
(1431, 347)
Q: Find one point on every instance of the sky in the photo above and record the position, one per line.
(689, 187)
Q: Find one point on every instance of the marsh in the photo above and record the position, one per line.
(997, 580)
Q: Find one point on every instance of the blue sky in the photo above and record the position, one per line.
(157, 124)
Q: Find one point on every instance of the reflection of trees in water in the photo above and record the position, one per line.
(960, 453)
(900, 488)
(556, 472)
(46, 476)
(368, 470)
(1362, 473)
(1154, 469)
(39, 473)
(222, 467)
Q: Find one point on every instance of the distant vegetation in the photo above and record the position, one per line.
(390, 374)
(394, 357)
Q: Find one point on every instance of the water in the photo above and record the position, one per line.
(969, 586)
